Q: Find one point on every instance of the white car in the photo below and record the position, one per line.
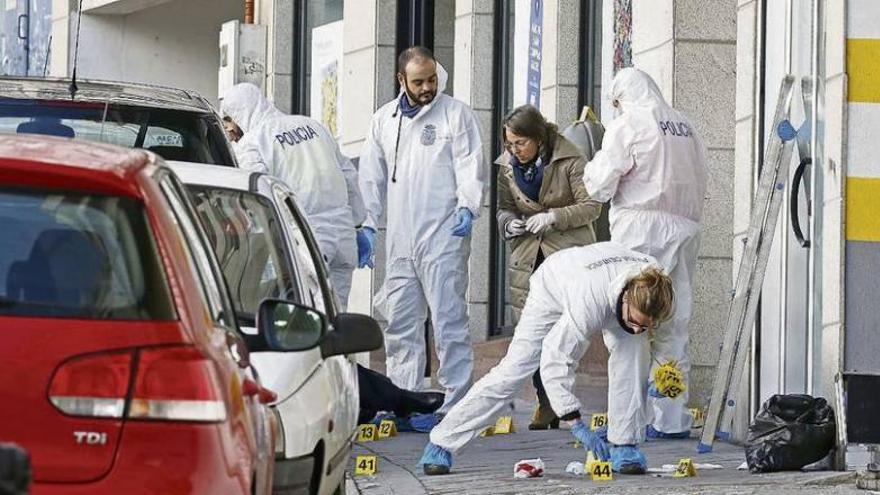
(266, 250)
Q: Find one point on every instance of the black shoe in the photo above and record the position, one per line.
(632, 469)
(544, 419)
(435, 469)
(419, 402)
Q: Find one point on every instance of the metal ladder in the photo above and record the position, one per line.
(750, 276)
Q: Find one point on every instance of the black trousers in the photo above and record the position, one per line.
(377, 393)
(543, 400)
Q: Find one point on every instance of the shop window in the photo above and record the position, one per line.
(318, 59)
(512, 19)
(513, 27)
(590, 49)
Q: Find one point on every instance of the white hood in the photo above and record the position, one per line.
(442, 80)
(245, 104)
(636, 89)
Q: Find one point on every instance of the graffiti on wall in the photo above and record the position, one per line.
(622, 34)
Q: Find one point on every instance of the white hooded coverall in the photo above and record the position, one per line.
(429, 166)
(652, 166)
(573, 294)
(301, 152)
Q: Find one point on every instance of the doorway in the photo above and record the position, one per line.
(788, 335)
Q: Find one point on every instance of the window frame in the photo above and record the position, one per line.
(502, 96)
(285, 248)
(590, 50)
(331, 310)
(211, 280)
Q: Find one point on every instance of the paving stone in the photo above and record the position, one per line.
(485, 466)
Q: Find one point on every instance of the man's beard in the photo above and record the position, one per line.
(416, 99)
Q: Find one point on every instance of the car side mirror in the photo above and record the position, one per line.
(287, 326)
(352, 333)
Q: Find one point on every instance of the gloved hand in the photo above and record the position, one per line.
(590, 441)
(366, 239)
(514, 228)
(653, 392)
(464, 222)
(541, 222)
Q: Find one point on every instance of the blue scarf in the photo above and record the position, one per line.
(409, 111)
(528, 176)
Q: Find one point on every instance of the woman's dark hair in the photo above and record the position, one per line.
(527, 121)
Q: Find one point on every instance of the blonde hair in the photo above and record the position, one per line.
(651, 293)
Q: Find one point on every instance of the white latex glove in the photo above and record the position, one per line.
(540, 223)
(515, 228)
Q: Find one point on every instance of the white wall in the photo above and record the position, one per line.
(173, 44)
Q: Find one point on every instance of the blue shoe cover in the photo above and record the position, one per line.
(382, 417)
(628, 459)
(403, 424)
(424, 423)
(653, 434)
(435, 460)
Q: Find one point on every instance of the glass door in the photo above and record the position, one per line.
(790, 320)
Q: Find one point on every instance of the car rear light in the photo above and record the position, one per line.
(177, 384)
(171, 383)
(94, 385)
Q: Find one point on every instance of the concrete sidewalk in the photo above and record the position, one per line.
(485, 466)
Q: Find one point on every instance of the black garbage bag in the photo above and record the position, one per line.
(790, 432)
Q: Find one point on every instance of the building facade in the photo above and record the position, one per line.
(719, 61)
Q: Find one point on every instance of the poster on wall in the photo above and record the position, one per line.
(521, 29)
(536, 36)
(326, 80)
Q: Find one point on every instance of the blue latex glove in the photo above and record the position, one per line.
(653, 392)
(464, 222)
(602, 433)
(366, 239)
(590, 441)
(628, 459)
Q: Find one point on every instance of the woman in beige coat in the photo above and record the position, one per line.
(543, 207)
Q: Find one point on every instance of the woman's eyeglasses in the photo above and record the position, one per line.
(517, 145)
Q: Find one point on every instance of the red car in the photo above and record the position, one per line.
(123, 368)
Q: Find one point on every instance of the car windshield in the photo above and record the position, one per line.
(244, 231)
(172, 134)
(73, 255)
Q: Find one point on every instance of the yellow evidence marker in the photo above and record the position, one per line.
(387, 428)
(669, 379)
(598, 420)
(366, 465)
(366, 433)
(488, 432)
(504, 425)
(685, 469)
(599, 470)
